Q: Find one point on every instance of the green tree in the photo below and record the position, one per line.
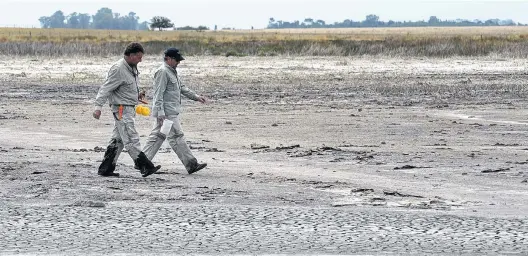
(372, 20)
(492, 22)
(130, 22)
(308, 22)
(160, 22)
(433, 20)
(116, 21)
(45, 21)
(72, 21)
(272, 24)
(84, 20)
(103, 19)
(57, 20)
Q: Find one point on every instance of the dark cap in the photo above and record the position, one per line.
(174, 53)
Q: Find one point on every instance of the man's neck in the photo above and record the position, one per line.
(173, 67)
(127, 59)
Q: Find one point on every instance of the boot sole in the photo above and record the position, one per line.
(114, 174)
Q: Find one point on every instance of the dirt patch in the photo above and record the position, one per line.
(414, 134)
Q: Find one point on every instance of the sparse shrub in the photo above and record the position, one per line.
(232, 53)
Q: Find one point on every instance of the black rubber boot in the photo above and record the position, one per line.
(195, 166)
(109, 172)
(107, 167)
(146, 167)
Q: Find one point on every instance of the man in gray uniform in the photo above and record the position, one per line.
(122, 92)
(168, 90)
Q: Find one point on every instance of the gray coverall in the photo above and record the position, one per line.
(121, 89)
(168, 89)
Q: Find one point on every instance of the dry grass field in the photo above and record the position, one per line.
(508, 42)
(98, 36)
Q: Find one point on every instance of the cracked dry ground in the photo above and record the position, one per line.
(307, 155)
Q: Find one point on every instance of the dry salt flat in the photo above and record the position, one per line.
(307, 155)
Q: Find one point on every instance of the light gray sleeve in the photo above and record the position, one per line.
(188, 92)
(113, 80)
(160, 85)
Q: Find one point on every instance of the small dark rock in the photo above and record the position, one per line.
(405, 167)
(396, 193)
(258, 146)
(213, 150)
(281, 147)
(360, 190)
(495, 170)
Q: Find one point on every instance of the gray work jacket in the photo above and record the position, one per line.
(120, 87)
(168, 89)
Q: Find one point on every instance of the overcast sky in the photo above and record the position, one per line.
(244, 14)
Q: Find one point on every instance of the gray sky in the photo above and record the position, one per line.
(243, 14)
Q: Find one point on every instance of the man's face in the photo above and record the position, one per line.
(135, 58)
(173, 62)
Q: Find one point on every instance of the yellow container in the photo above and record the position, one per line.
(143, 110)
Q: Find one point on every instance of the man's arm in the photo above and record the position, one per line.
(160, 85)
(111, 83)
(191, 94)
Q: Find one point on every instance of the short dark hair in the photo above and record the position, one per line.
(133, 48)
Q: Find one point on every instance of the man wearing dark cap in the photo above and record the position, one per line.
(168, 91)
(121, 90)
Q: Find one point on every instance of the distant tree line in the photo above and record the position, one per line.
(106, 19)
(373, 21)
(103, 19)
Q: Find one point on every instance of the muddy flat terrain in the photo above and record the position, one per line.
(306, 155)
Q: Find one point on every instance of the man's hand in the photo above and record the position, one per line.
(161, 118)
(142, 96)
(97, 114)
(202, 99)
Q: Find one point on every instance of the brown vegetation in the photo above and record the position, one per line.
(430, 41)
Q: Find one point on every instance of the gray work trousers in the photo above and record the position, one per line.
(124, 134)
(176, 141)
